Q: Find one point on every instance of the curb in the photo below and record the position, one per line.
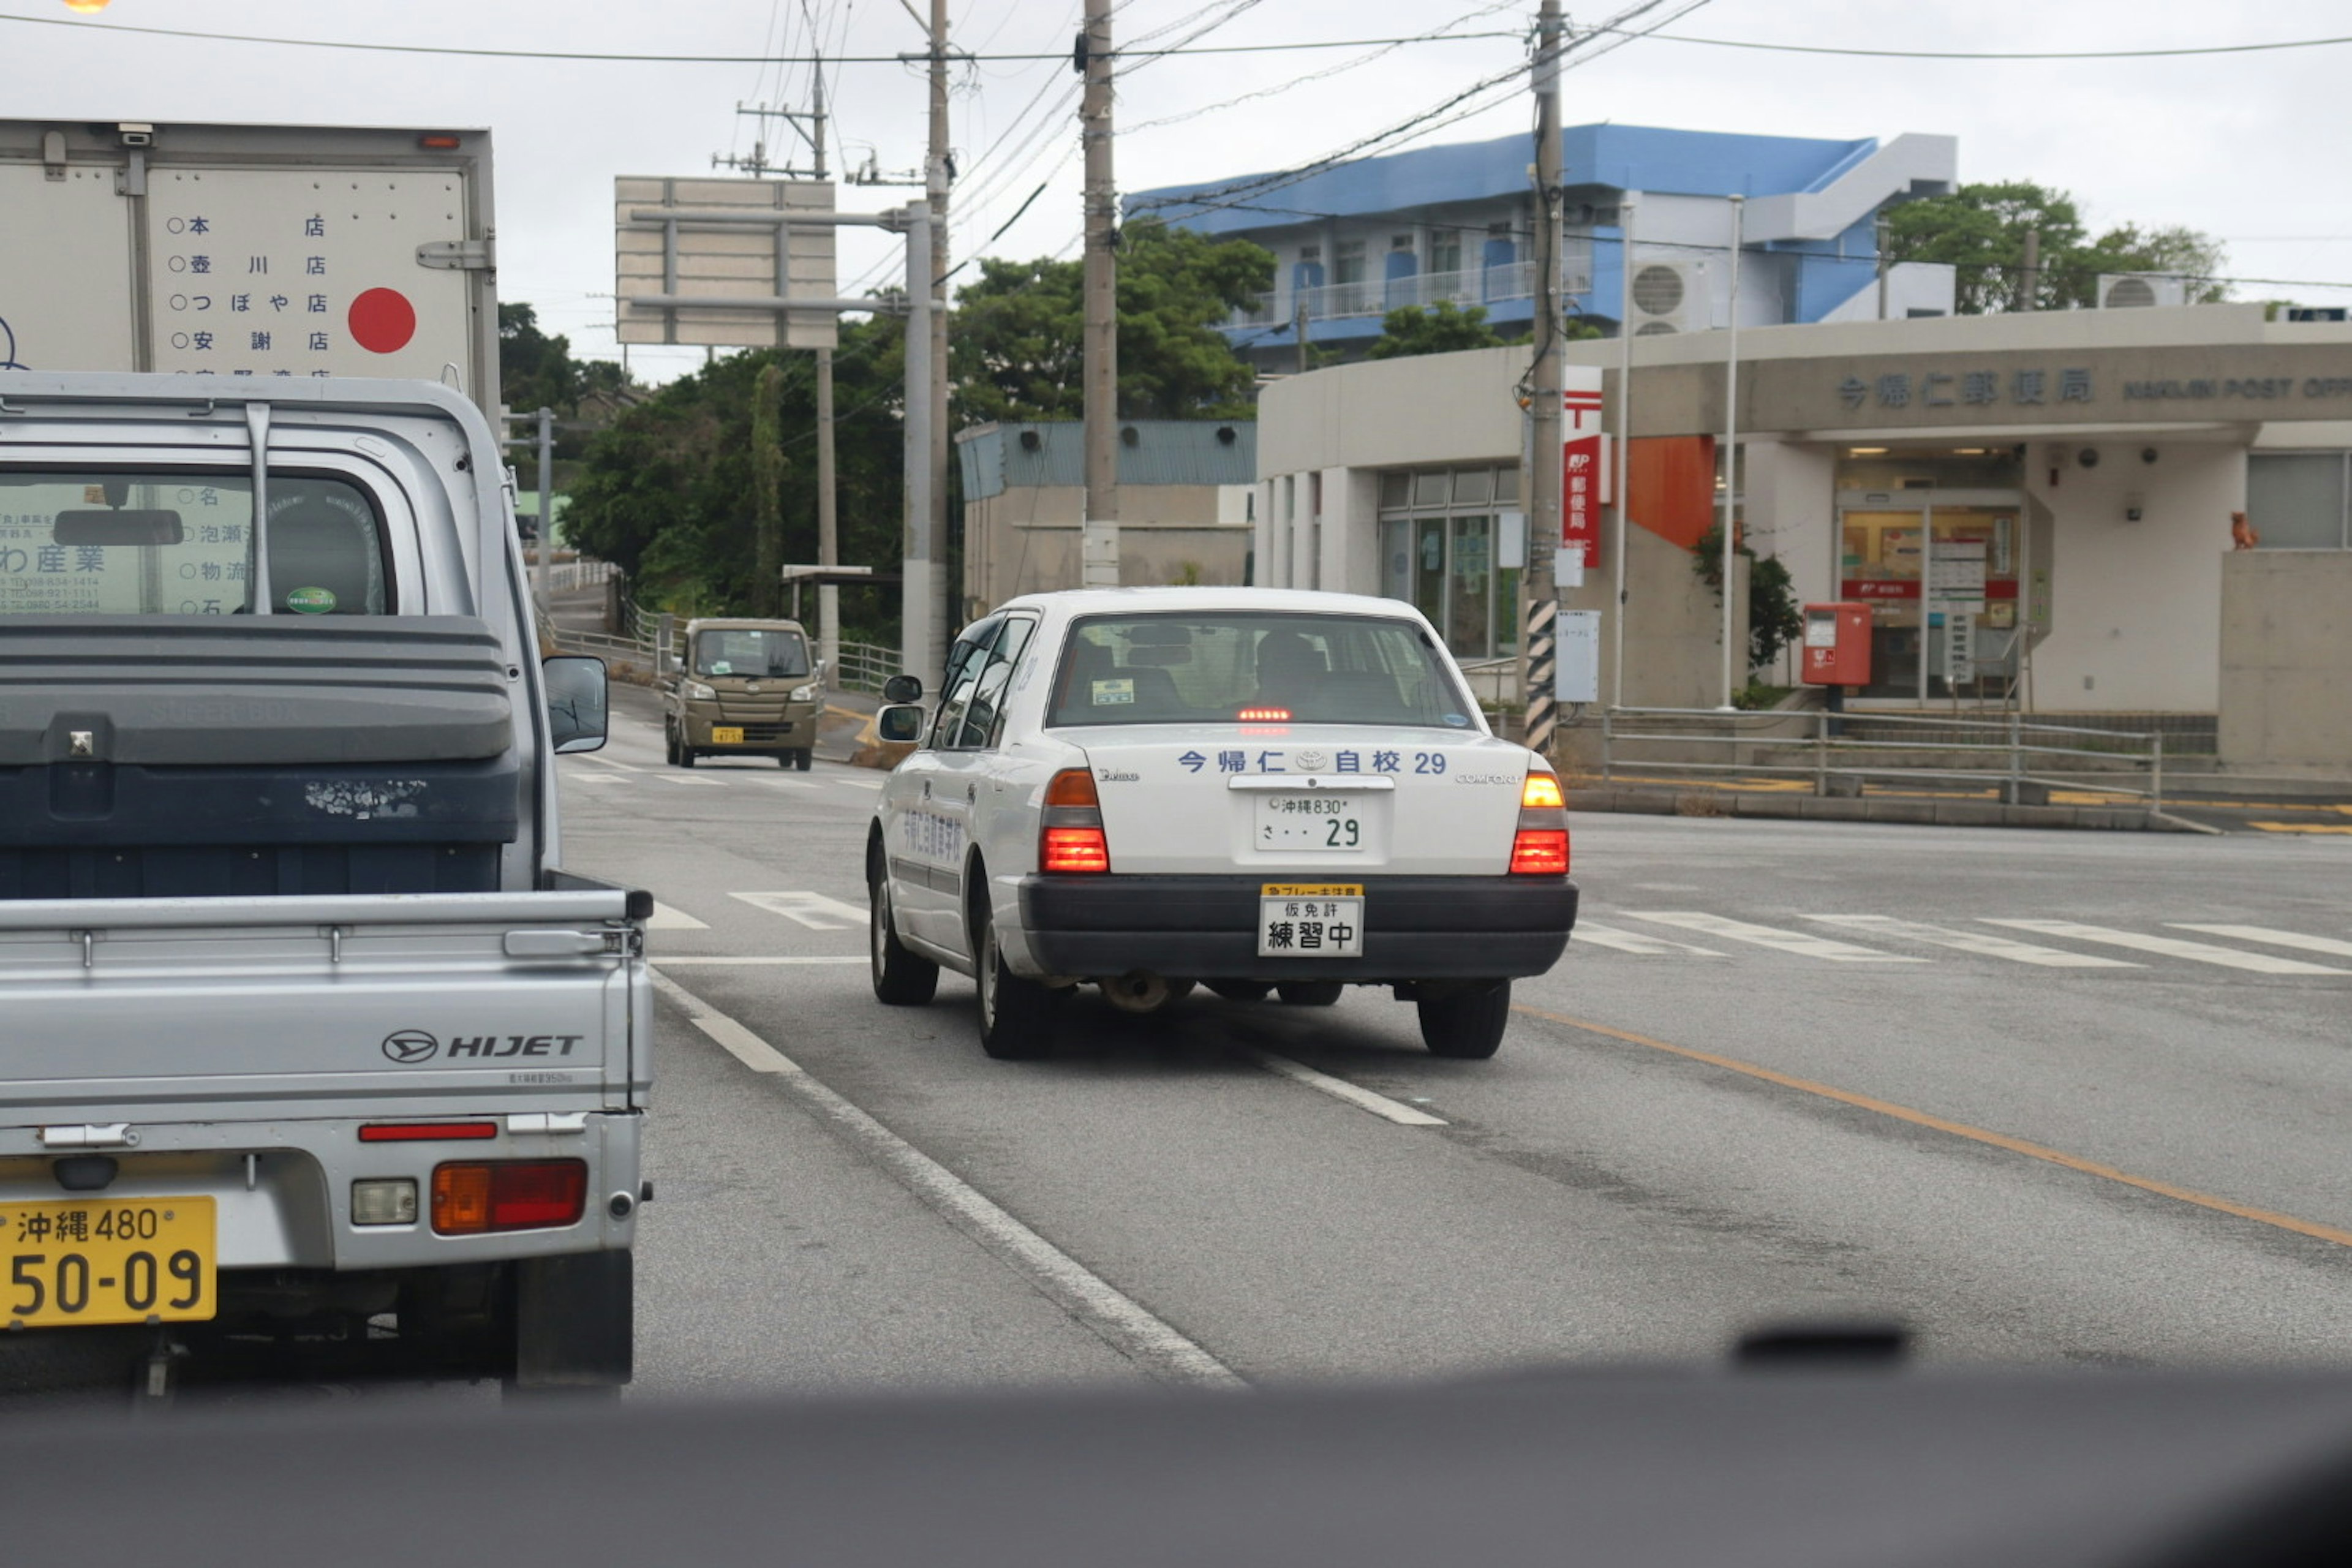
(1874, 809)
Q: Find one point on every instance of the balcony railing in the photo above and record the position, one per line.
(1377, 297)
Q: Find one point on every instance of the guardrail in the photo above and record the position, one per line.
(2026, 760)
(864, 667)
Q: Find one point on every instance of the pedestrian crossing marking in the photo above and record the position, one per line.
(2335, 945)
(1981, 943)
(1594, 932)
(814, 910)
(665, 917)
(1803, 943)
(2171, 947)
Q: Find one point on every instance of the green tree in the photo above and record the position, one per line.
(1980, 230)
(1774, 619)
(1440, 328)
(1017, 345)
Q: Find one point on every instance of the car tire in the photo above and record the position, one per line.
(669, 743)
(901, 978)
(807, 758)
(1017, 1016)
(1241, 990)
(1465, 1021)
(685, 755)
(1309, 993)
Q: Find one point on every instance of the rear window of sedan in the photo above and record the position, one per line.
(1191, 669)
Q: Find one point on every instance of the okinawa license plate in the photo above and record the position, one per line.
(106, 1260)
(1311, 822)
(1310, 920)
(727, 734)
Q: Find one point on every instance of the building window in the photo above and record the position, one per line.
(1445, 251)
(1442, 540)
(2296, 501)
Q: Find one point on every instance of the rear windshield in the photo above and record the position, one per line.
(76, 543)
(772, 654)
(1190, 668)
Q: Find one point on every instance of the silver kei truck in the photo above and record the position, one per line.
(304, 1033)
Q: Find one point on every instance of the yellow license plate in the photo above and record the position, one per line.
(727, 735)
(106, 1260)
(1312, 890)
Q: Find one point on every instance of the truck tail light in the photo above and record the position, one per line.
(1540, 847)
(474, 1198)
(1071, 838)
(425, 1131)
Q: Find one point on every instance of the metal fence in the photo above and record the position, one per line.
(2023, 761)
(864, 667)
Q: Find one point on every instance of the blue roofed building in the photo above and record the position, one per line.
(1457, 223)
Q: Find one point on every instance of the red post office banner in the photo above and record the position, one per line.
(1584, 488)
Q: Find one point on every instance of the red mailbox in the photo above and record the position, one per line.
(1837, 645)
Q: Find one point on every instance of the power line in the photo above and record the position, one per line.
(2185, 50)
(639, 59)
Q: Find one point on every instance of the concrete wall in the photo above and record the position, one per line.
(2286, 659)
(1788, 497)
(2136, 607)
(1025, 541)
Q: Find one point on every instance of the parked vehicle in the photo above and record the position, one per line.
(741, 687)
(1263, 791)
(307, 1036)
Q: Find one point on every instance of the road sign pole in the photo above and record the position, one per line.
(1544, 480)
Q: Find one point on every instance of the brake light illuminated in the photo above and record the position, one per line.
(473, 1199)
(425, 1131)
(1263, 716)
(1075, 849)
(1070, 835)
(1540, 852)
(1541, 790)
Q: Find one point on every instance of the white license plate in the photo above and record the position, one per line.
(1311, 920)
(1326, 822)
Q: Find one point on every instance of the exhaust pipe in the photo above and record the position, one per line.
(1141, 990)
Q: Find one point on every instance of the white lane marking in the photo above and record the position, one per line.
(1981, 942)
(856, 783)
(673, 776)
(1362, 1099)
(2173, 947)
(1803, 943)
(579, 775)
(1118, 1319)
(813, 910)
(773, 783)
(2335, 945)
(665, 917)
(674, 962)
(1599, 935)
(601, 762)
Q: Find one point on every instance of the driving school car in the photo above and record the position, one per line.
(1260, 791)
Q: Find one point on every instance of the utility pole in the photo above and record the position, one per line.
(1731, 437)
(1881, 229)
(1098, 547)
(2029, 291)
(918, 640)
(828, 530)
(1625, 453)
(546, 511)
(1544, 412)
(935, 174)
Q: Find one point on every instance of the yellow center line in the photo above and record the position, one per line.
(2303, 826)
(1960, 1129)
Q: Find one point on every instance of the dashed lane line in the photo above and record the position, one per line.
(2335, 945)
(665, 917)
(2075, 1162)
(1340, 1089)
(1114, 1317)
(815, 910)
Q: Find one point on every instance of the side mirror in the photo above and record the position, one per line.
(902, 688)
(576, 702)
(901, 722)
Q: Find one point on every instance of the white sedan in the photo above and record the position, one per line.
(1257, 790)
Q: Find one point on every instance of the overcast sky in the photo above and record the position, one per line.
(2243, 146)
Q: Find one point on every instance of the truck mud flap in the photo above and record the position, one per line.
(575, 1320)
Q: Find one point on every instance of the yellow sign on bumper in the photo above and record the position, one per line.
(107, 1260)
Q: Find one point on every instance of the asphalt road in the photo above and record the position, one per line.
(1786, 1070)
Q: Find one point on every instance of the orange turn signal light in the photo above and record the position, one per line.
(1072, 786)
(476, 1197)
(1541, 790)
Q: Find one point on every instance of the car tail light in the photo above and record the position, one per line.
(425, 1131)
(1540, 852)
(1541, 846)
(1071, 838)
(473, 1199)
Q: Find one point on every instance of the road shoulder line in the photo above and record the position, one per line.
(1118, 1320)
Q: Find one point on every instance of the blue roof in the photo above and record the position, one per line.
(1616, 157)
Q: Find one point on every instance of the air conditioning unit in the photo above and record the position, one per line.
(1669, 296)
(2125, 290)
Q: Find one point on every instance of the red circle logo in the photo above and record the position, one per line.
(383, 320)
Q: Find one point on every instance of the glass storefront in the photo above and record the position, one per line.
(1934, 542)
(1441, 542)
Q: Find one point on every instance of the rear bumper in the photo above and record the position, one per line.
(1205, 928)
